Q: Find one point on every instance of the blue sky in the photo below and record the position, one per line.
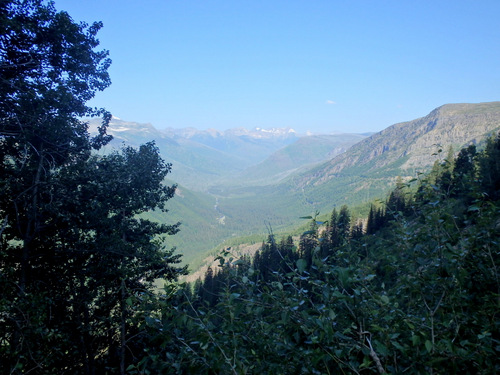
(321, 66)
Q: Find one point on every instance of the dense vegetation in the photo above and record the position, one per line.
(73, 254)
(413, 289)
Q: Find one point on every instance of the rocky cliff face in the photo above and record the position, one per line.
(411, 144)
(453, 125)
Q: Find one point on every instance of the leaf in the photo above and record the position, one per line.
(398, 346)
(415, 340)
(338, 294)
(301, 265)
(150, 321)
(366, 363)
(277, 284)
(305, 217)
(428, 345)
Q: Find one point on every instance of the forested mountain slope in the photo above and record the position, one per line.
(250, 145)
(302, 154)
(194, 164)
(201, 158)
(366, 171)
(414, 291)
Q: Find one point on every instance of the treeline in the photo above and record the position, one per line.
(414, 290)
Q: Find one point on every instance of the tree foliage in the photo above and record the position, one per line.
(76, 258)
(417, 293)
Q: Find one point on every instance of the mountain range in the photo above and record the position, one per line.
(204, 158)
(241, 182)
(405, 149)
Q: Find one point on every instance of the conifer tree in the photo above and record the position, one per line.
(344, 226)
(489, 166)
(396, 202)
(308, 242)
(464, 171)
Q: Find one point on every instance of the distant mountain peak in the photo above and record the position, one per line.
(261, 133)
(276, 130)
(256, 132)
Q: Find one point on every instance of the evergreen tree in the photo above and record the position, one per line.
(489, 167)
(444, 180)
(375, 221)
(287, 250)
(357, 231)
(344, 226)
(396, 202)
(308, 243)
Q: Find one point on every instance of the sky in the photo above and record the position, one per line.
(312, 65)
